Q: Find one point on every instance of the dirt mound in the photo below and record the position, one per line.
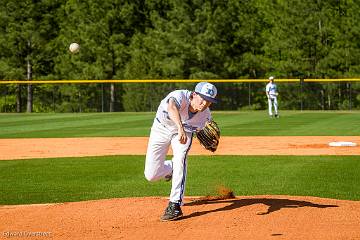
(257, 217)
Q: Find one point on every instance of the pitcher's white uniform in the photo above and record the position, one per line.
(164, 133)
(271, 92)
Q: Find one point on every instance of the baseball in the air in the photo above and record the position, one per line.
(74, 47)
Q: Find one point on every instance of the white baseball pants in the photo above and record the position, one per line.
(156, 167)
(272, 101)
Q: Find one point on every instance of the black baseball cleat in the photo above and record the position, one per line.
(172, 212)
(277, 115)
(168, 177)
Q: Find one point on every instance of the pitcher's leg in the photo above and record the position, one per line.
(156, 167)
(179, 168)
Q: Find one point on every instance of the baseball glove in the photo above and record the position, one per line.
(209, 136)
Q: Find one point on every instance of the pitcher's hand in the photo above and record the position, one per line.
(182, 136)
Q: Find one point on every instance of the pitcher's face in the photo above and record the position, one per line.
(199, 104)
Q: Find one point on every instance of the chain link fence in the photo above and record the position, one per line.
(120, 95)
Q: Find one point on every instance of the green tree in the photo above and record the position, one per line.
(27, 27)
(103, 29)
(197, 40)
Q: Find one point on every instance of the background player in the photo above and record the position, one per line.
(179, 115)
(272, 93)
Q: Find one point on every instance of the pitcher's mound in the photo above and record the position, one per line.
(257, 217)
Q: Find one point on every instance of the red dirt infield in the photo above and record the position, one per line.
(243, 217)
(101, 146)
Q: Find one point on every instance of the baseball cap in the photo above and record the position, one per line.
(207, 91)
(271, 78)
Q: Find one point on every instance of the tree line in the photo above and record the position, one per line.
(177, 39)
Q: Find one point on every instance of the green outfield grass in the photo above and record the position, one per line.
(76, 179)
(257, 123)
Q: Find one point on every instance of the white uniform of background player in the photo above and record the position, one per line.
(272, 93)
(179, 115)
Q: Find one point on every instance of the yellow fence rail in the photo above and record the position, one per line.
(172, 81)
(333, 80)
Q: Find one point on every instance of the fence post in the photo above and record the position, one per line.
(301, 93)
(249, 96)
(350, 97)
(5, 100)
(102, 97)
(53, 97)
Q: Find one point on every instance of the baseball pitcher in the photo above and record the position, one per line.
(180, 115)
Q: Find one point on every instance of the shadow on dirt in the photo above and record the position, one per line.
(273, 204)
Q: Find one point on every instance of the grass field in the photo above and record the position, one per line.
(291, 123)
(75, 179)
